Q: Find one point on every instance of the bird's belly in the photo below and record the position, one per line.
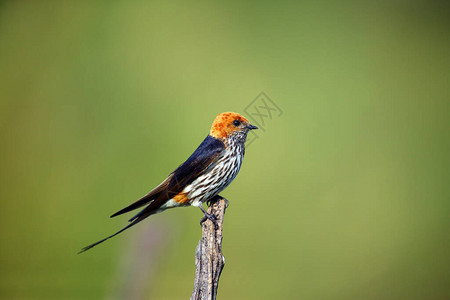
(213, 182)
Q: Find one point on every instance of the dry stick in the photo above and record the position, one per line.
(209, 260)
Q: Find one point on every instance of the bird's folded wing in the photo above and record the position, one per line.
(203, 159)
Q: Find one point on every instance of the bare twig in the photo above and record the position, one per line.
(209, 260)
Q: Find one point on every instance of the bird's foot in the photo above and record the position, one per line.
(210, 217)
(217, 198)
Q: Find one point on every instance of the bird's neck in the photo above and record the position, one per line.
(236, 143)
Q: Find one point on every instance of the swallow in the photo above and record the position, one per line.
(207, 172)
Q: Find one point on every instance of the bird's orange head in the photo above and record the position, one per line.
(227, 124)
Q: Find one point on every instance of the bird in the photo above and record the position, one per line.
(207, 172)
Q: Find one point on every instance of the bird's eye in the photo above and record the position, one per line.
(236, 123)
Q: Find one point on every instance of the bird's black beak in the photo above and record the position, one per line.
(251, 127)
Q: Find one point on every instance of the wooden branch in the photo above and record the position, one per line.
(209, 260)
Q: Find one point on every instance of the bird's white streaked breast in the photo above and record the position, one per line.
(210, 184)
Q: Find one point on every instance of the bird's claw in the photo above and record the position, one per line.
(210, 217)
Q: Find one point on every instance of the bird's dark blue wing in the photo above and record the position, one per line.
(203, 158)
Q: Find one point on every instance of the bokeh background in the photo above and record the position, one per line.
(343, 196)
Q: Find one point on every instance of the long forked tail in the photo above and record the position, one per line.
(99, 242)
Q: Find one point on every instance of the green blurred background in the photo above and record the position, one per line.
(344, 196)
